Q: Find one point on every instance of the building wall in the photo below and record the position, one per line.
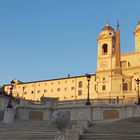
(130, 69)
(65, 88)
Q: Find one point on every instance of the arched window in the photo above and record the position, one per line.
(104, 49)
(80, 84)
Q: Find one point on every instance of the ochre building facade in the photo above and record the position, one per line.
(115, 76)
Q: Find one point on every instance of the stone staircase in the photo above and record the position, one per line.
(27, 130)
(128, 129)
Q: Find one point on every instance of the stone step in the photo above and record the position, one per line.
(109, 137)
(26, 136)
(27, 130)
(128, 129)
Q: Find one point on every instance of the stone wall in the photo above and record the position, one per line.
(78, 111)
(3, 105)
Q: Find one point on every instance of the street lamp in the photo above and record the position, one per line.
(23, 91)
(137, 82)
(10, 95)
(88, 99)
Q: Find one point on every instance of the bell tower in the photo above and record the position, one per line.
(106, 48)
(137, 37)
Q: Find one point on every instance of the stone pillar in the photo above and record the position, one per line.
(117, 85)
(137, 111)
(9, 115)
(60, 136)
(23, 114)
(117, 69)
(117, 77)
(72, 135)
(61, 119)
(67, 135)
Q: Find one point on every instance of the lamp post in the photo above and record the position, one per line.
(10, 95)
(88, 99)
(138, 96)
(23, 92)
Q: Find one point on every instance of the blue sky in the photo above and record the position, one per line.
(45, 39)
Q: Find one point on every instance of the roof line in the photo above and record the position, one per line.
(50, 79)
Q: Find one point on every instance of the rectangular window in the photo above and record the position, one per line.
(79, 92)
(123, 64)
(95, 87)
(103, 87)
(72, 88)
(125, 86)
(58, 89)
(103, 78)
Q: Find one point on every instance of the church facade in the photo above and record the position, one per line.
(115, 76)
